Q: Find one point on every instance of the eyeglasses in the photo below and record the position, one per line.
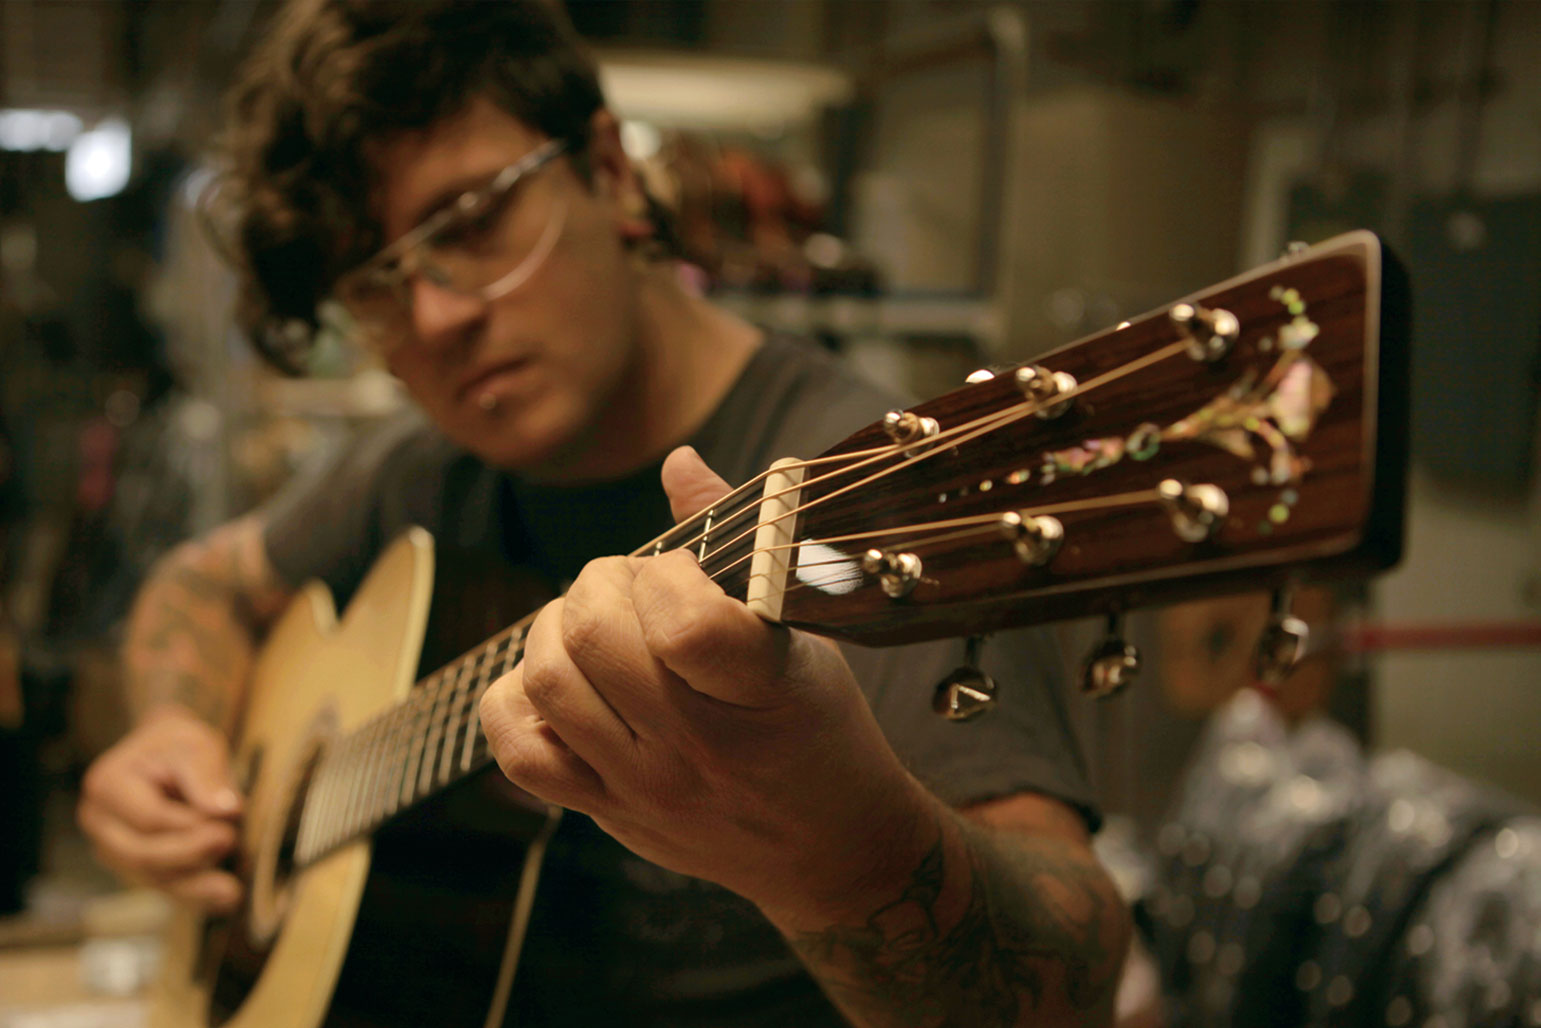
(486, 244)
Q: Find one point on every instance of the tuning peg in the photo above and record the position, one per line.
(967, 692)
(1210, 332)
(1283, 641)
(905, 426)
(1197, 511)
(1035, 538)
(1040, 385)
(1112, 663)
(898, 573)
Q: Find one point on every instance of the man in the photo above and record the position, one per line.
(449, 174)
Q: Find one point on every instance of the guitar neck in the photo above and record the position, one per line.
(406, 755)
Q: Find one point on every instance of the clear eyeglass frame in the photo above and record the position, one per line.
(376, 295)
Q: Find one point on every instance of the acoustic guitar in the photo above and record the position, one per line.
(1248, 435)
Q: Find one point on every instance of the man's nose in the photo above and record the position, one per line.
(441, 316)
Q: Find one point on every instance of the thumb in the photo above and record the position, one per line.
(690, 484)
(200, 772)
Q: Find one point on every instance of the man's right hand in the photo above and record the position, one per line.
(161, 808)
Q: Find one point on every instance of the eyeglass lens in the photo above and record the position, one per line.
(489, 241)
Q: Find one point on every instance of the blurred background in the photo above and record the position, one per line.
(926, 186)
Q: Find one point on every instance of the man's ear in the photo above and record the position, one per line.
(616, 181)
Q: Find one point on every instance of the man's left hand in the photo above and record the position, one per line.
(703, 738)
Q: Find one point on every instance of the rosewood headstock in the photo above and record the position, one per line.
(1253, 433)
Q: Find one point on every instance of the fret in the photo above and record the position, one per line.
(436, 728)
(366, 777)
(390, 785)
(327, 828)
(706, 532)
(421, 702)
(311, 813)
(381, 772)
(472, 717)
(356, 754)
(373, 757)
(458, 714)
(335, 778)
(511, 651)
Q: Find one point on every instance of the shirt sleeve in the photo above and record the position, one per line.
(333, 519)
(1024, 744)
(808, 401)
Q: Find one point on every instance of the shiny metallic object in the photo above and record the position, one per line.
(1036, 539)
(898, 573)
(1211, 332)
(1197, 511)
(1040, 385)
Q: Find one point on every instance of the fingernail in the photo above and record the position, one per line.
(227, 800)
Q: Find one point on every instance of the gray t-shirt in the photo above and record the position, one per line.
(611, 933)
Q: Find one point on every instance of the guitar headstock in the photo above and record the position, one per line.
(1252, 433)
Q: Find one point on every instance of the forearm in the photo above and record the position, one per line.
(990, 927)
(195, 624)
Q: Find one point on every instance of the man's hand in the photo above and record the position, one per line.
(160, 808)
(703, 738)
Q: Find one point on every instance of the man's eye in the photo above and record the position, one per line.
(477, 216)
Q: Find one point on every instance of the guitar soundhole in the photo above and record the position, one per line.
(236, 948)
(274, 867)
(283, 868)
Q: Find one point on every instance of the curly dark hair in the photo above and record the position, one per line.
(289, 204)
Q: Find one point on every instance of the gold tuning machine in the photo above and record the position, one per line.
(1040, 386)
(967, 692)
(1036, 539)
(905, 427)
(1211, 332)
(1112, 663)
(1283, 641)
(897, 573)
(1197, 511)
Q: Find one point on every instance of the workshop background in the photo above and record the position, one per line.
(926, 186)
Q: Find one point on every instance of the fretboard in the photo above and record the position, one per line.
(412, 751)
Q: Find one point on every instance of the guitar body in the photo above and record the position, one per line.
(376, 932)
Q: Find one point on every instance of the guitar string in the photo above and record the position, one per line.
(969, 432)
(956, 435)
(989, 521)
(989, 528)
(1007, 415)
(1000, 420)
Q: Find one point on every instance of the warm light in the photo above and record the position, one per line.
(98, 161)
(640, 140)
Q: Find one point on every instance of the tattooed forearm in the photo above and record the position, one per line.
(193, 628)
(992, 929)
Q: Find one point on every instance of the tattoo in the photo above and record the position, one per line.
(1040, 931)
(195, 622)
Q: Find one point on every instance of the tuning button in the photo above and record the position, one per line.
(1041, 386)
(1197, 511)
(964, 694)
(1282, 643)
(1210, 332)
(905, 427)
(1036, 539)
(967, 692)
(898, 573)
(1111, 665)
